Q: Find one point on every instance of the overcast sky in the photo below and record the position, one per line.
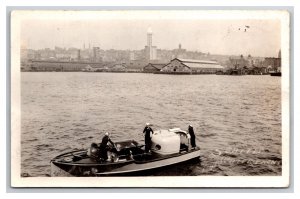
(228, 37)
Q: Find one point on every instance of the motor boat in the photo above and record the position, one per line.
(168, 147)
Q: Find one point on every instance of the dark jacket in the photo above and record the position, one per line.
(103, 147)
(147, 131)
(193, 137)
(104, 142)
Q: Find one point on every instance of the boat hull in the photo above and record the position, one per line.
(142, 165)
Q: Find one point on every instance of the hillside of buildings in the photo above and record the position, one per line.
(96, 59)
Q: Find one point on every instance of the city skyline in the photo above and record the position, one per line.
(259, 38)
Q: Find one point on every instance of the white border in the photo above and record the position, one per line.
(197, 181)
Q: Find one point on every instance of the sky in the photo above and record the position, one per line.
(216, 36)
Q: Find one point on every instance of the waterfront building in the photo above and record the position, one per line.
(153, 67)
(273, 63)
(135, 65)
(240, 62)
(193, 66)
(53, 65)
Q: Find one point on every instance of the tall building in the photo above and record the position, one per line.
(149, 42)
(96, 54)
(150, 51)
(131, 56)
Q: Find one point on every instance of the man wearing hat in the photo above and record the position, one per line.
(103, 146)
(147, 131)
(193, 137)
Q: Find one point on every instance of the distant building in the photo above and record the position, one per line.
(150, 51)
(153, 67)
(273, 63)
(53, 65)
(239, 62)
(180, 52)
(27, 54)
(78, 55)
(86, 55)
(116, 56)
(96, 54)
(193, 66)
(135, 65)
(132, 56)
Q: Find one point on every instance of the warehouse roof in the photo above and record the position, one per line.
(198, 61)
(193, 63)
(158, 66)
(203, 65)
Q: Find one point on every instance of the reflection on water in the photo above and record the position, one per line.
(237, 120)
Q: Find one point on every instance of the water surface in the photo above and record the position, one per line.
(237, 119)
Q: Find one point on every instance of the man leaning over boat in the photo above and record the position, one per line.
(99, 153)
(103, 146)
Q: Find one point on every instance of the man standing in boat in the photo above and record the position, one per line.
(147, 131)
(103, 146)
(193, 137)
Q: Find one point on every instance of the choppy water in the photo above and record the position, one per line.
(237, 119)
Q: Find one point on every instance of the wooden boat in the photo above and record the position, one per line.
(169, 147)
